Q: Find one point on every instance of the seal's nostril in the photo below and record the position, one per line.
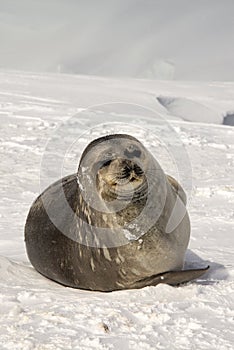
(138, 171)
(127, 170)
(127, 167)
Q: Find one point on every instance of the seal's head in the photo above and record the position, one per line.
(116, 166)
(119, 177)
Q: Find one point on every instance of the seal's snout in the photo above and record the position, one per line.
(130, 170)
(121, 172)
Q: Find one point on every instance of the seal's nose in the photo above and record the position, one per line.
(127, 167)
(131, 168)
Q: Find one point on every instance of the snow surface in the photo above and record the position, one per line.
(35, 149)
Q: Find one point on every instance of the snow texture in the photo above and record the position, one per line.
(36, 313)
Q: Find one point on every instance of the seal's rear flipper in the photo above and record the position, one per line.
(173, 278)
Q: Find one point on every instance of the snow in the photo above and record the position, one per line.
(45, 125)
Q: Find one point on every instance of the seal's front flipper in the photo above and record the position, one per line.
(173, 278)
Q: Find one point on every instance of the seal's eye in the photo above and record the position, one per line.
(106, 163)
(132, 152)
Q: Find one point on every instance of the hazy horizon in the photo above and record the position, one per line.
(156, 39)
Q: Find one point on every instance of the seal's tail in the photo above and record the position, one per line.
(173, 278)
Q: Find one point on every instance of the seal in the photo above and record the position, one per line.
(119, 223)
